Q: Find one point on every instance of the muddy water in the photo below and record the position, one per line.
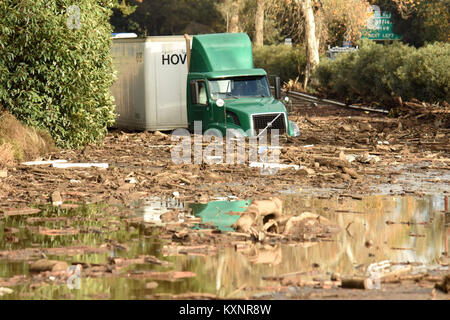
(374, 229)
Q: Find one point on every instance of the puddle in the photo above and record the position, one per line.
(428, 181)
(376, 228)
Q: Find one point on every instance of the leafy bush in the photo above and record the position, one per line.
(426, 73)
(381, 72)
(54, 76)
(281, 60)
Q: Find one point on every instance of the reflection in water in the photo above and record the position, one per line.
(362, 222)
(153, 208)
(416, 232)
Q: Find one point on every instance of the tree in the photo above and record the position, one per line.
(231, 11)
(321, 23)
(342, 20)
(312, 42)
(125, 8)
(56, 67)
(259, 24)
(155, 17)
(234, 20)
(286, 20)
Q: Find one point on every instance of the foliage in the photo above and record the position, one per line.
(335, 20)
(124, 8)
(156, 17)
(426, 73)
(281, 60)
(381, 72)
(342, 20)
(55, 77)
(419, 21)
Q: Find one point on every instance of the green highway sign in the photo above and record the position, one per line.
(379, 26)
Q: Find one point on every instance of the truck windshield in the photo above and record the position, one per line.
(234, 88)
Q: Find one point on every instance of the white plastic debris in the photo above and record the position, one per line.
(176, 194)
(226, 198)
(274, 165)
(308, 146)
(73, 181)
(4, 291)
(221, 198)
(368, 158)
(131, 180)
(350, 157)
(41, 163)
(262, 149)
(214, 157)
(80, 165)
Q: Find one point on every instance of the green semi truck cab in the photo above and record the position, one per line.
(225, 91)
(171, 82)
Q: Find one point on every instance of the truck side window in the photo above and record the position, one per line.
(202, 97)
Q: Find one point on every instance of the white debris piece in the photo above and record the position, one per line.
(350, 157)
(42, 163)
(211, 158)
(80, 165)
(368, 158)
(262, 149)
(4, 291)
(131, 180)
(274, 165)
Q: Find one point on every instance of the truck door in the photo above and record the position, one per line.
(201, 109)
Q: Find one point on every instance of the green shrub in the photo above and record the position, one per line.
(281, 60)
(55, 77)
(426, 73)
(381, 72)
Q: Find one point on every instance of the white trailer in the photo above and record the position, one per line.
(150, 92)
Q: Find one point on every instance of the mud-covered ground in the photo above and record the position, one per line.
(344, 158)
(390, 156)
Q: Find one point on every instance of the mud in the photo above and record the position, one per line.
(370, 189)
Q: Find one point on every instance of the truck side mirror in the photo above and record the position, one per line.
(194, 92)
(277, 88)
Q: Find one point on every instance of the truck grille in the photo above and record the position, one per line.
(261, 121)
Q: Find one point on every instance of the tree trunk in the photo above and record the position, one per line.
(312, 43)
(259, 24)
(234, 21)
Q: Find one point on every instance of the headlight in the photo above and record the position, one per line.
(220, 103)
(295, 129)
